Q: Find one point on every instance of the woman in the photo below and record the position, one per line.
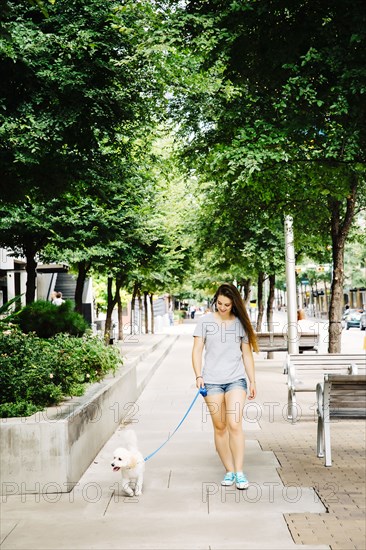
(228, 338)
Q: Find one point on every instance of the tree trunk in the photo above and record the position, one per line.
(246, 286)
(110, 307)
(146, 312)
(260, 301)
(30, 253)
(270, 302)
(133, 303)
(120, 318)
(152, 313)
(140, 309)
(339, 232)
(335, 309)
(112, 300)
(83, 268)
(269, 312)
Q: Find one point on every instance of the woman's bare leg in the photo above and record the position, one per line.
(216, 407)
(234, 404)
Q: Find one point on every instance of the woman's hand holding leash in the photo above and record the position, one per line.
(200, 382)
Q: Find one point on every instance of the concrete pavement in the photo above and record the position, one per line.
(292, 497)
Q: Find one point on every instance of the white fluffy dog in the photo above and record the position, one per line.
(131, 463)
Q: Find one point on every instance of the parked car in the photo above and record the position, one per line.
(353, 318)
(363, 321)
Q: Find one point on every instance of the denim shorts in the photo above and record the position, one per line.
(214, 389)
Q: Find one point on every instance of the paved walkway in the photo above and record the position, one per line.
(293, 498)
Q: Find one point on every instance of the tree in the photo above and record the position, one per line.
(355, 256)
(169, 217)
(280, 88)
(25, 228)
(79, 88)
(90, 224)
(73, 84)
(245, 245)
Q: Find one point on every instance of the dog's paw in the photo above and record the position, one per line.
(138, 492)
(127, 489)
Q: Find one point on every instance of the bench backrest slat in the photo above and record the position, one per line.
(345, 395)
(326, 362)
(268, 341)
(284, 335)
(349, 413)
(328, 357)
(348, 395)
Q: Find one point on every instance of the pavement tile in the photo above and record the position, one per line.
(183, 507)
(340, 488)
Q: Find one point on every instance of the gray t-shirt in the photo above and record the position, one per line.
(223, 361)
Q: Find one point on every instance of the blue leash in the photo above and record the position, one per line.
(201, 391)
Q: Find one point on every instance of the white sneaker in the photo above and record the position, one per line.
(229, 479)
(241, 481)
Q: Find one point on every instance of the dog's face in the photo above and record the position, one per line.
(122, 459)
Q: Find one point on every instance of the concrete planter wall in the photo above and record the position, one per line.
(49, 451)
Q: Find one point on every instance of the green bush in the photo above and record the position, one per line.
(46, 319)
(37, 372)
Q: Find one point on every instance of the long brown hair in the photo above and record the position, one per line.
(239, 310)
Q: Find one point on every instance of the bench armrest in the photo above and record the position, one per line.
(320, 399)
(291, 376)
(353, 368)
(286, 365)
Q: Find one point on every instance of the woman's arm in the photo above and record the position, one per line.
(198, 345)
(248, 360)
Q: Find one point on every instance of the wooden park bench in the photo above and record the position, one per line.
(304, 372)
(278, 341)
(339, 397)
